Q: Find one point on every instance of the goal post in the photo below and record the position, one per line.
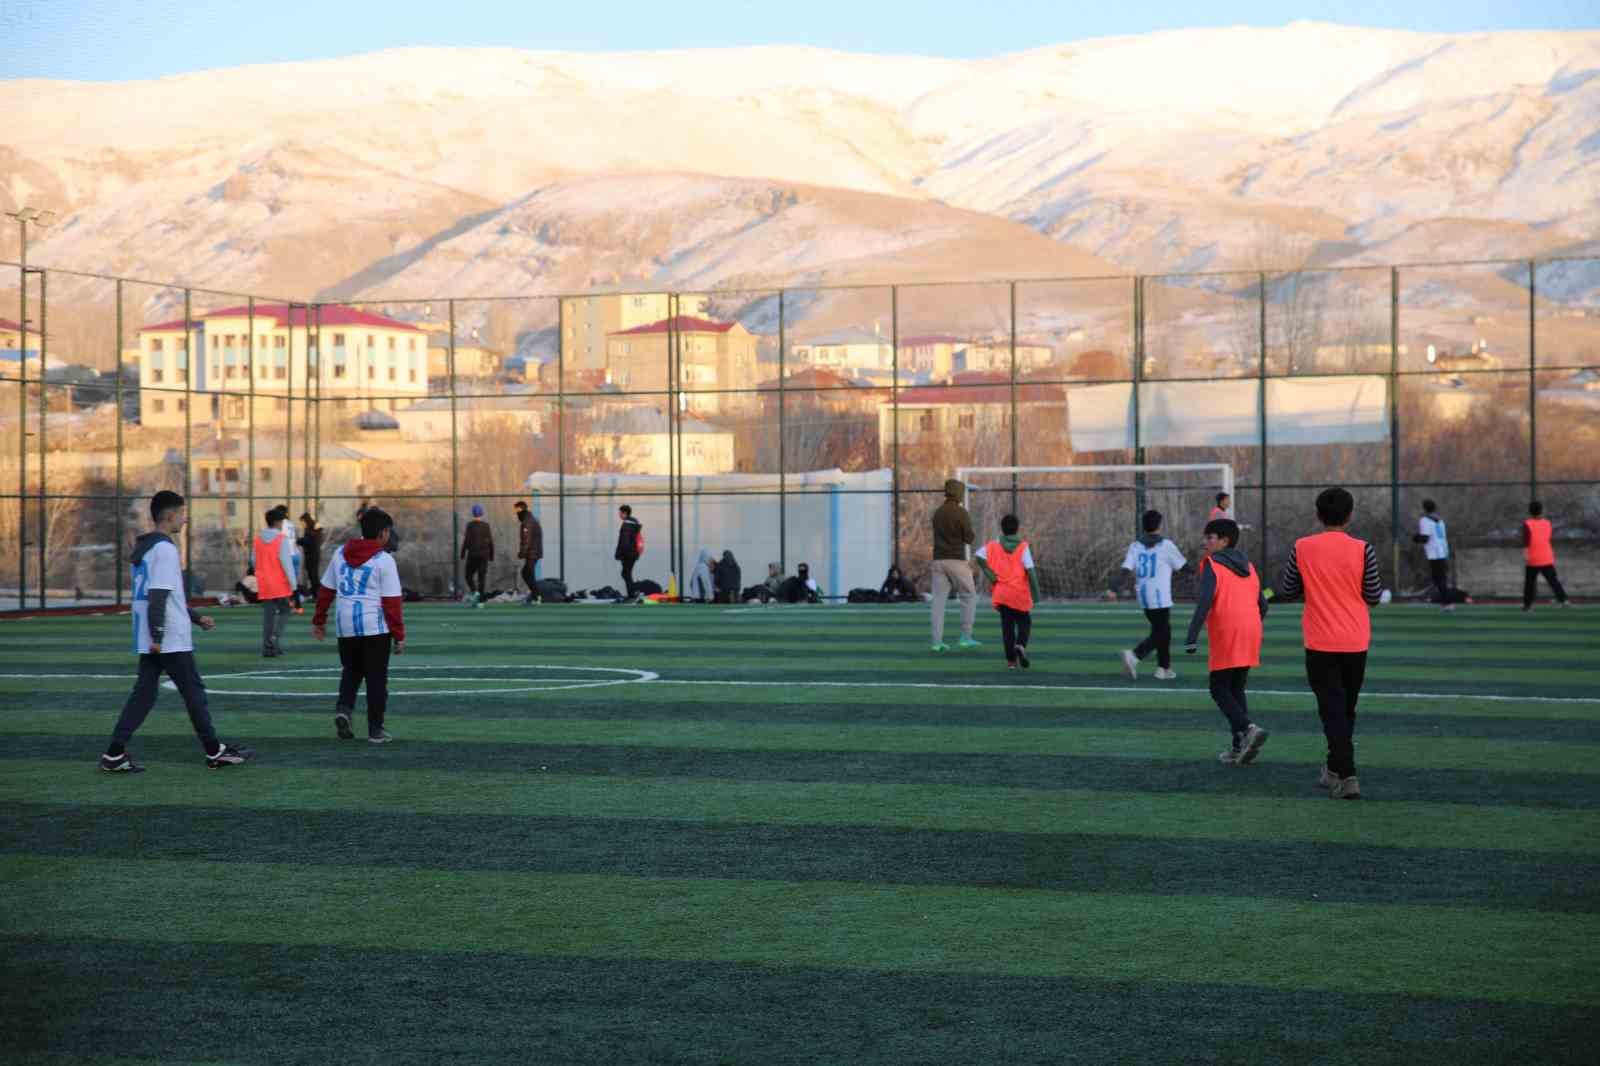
(1079, 520)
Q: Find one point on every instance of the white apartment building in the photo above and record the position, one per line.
(366, 361)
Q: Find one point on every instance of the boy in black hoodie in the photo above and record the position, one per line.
(164, 641)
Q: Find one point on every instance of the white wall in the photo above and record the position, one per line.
(841, 524)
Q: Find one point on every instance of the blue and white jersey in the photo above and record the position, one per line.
(1153, 568)
(1438, 545)
(160, 568)
(359, 593)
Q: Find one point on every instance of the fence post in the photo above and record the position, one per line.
(783, 477)
(121, 506)
(561, 435)
(44, 422)
(1533, 382)
(1261, 412)
(455, 459)
(1394, 421)
(894, 412)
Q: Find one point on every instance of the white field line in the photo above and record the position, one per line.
(1368, 694)
(647, 677)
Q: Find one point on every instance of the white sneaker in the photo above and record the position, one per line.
(1327, 778)
(1166, 675)
(1130, 665)
(1250, 744)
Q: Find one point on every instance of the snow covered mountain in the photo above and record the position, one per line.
(497, 171)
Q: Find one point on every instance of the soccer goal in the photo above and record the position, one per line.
(1079, 519)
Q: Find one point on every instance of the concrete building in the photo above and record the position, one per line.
(971, 420)
(367, 361)
(636, 439)
(588, 322)
(851, 349)
(711, 356)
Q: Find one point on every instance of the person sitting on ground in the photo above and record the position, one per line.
(897, 588)
(775, 578)
(701, 586)
(246, 586)
(802, 588)
(728, 578)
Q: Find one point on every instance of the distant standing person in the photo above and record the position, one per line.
(530, 549)
(310, 542)
(1539, 556)
(274, 558)
(1435, 541)
(163, 638)
(952, 534)
(477, 548)
(1223, 508)
(630, 545)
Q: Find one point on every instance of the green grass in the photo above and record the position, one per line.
(806, 839)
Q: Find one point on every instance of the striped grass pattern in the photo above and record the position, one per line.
(793, 835)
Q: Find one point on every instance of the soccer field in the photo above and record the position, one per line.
(775, 835)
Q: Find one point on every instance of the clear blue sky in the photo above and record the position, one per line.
(114, 40)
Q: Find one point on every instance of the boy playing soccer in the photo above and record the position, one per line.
(1151, 561)
(362, 584)
(1338, 575)
(1231, 607)
(1539, 556)
(164, 641)
(276, 578)
(1008, 564)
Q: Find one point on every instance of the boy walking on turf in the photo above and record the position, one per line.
(1151, 561)
(1539, 556)
(1338, 576)
(1232, 608)
(275, 579)
(163, 638)
(362, 585)
(1008, 564)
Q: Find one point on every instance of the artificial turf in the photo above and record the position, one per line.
(803, 838)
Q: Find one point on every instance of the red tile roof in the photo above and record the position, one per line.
(13, 327)
(811, 378)
(682, 323)
(329, 316)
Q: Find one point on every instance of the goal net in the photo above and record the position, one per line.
(1078, 520)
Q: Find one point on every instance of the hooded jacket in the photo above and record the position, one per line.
(952, 526)
(728, 578)
(156, 615)
(701, 585)
(1236, 561)
(478, 540)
